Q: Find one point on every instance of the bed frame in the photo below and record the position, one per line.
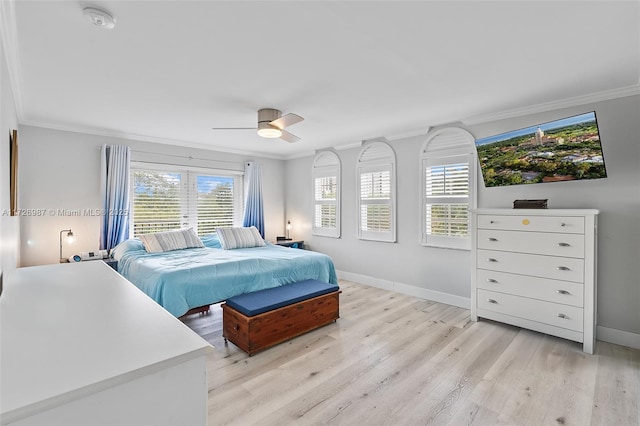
(204, 310)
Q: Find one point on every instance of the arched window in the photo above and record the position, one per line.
(448, 187)
(326, 189)
(376, 174)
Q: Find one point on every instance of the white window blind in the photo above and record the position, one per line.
(326, 189)
(376, 192)
(169, 200)
(447, 164)
(216, 203)
(157, 201)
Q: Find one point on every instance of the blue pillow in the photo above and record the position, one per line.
(211, 240)
(126, 246)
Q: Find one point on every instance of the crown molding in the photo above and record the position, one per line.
(142, 138)
(348, 146)
(312, 153)
(300, 155)
(549, 106)
(9, 35)
(422, 131)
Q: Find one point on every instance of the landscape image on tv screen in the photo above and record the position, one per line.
(561, 150)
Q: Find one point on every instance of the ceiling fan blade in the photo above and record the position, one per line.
(289, 137)
(286, 120)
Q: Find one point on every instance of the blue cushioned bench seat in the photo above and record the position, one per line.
(258, 302)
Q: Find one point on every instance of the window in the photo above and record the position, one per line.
(165, 199)
(216, 205)
(326, 189)
(376, 192)
(157, 201)
(448, 188)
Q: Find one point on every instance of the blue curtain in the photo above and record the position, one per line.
(253, 211)
(114, 183)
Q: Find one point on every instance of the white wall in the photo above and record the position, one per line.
(60, 170)
(9, 226)
(402, 263)
(414, 269)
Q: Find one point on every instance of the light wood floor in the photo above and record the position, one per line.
(393, 359)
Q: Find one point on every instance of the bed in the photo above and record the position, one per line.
(181, 280)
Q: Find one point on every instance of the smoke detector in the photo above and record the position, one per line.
(99, 17)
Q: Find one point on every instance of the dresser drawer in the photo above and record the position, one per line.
(552, 244)
(557, 268)
(563, 292)
(567, 225)
(569, 317)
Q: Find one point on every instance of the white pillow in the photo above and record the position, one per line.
(233, 238)
(171, 240)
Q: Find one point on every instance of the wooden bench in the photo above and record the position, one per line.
(259, 320)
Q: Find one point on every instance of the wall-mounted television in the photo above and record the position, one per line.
(560, 150)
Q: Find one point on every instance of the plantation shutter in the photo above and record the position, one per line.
(447, 197)
(326, 190)
(376, 186)
(375, 200)
(448, 173)
(325, 196)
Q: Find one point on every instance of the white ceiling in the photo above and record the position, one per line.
(172, 70)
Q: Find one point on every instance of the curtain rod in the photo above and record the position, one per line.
(187, 157)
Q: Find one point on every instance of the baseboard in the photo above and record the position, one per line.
(618, 337)
(605, 334)
(410, 290)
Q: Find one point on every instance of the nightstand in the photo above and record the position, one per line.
(291, 243)
(111, 262)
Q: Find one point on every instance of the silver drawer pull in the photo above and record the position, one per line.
(492, 301)
(492, 239)
(563, 316)
(564, 244)
(563, 224)
(491, 280)
(491, 259)
(563, 268)
(563, 292)
(491, 221)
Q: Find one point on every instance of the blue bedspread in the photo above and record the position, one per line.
(184, 279)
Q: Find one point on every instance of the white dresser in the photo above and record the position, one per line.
(82, 345)
(536, 269)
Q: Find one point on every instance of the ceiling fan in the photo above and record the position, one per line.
(271, 124)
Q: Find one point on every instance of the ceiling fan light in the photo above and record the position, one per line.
(269, 132)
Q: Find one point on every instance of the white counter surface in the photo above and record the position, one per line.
(70, 330)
